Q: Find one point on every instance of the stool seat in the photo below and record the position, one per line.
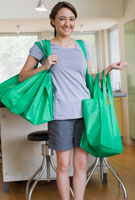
(38, 136)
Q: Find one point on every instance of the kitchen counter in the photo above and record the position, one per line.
(119, 94)
(115, 94)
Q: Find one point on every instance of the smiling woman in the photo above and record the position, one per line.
(69, 14)
(64, 22)
(67, 66)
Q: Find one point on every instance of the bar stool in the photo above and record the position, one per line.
(103, 162)
(46, 162)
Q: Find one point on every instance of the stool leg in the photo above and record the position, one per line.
(31, 179)
(48, 167)
(101, 167)
(117, 177)
(92, 169)
(41, 171)
(53, 166)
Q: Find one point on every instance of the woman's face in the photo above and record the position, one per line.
(64, 22)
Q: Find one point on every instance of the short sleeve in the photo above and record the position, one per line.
(87, 50)
(36, 52)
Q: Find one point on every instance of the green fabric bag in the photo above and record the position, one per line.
(32, 98)
(101, 125)
(101, 135)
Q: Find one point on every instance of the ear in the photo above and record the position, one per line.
(53, 22)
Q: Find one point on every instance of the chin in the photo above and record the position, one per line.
(66, 33)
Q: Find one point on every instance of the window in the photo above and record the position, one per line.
(14, 50)
(92, 41)
(114, 57)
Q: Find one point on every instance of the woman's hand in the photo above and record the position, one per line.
(51, 60)
(119, 65)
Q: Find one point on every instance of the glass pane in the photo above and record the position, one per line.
(91, 40)
(115, 57)
(13, 53)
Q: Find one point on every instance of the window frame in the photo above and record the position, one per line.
(38, 34)
(111, 75)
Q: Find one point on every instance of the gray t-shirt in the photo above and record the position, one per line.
(68, 79)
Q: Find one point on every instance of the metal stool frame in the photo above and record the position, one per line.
(103, 162)
(46, 163)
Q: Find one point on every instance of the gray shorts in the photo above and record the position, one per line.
(65, 134)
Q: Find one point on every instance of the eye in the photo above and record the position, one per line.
(72, 19)
(61, 19)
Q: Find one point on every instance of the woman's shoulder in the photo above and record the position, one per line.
(84, 42)
(35, 51)
(86, 47)
(38, 45)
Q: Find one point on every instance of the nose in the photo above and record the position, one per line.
(67, 22)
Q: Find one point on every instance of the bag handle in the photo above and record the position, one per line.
(110, 93)
(97, 89)
(45, 48)
(89, 78)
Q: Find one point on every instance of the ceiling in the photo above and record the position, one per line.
(93, 18)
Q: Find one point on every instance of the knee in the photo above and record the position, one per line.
(63, 166)
(80, 165)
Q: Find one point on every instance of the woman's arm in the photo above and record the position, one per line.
(118, 66)
(29, 70)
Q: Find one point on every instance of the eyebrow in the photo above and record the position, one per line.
(70, 16)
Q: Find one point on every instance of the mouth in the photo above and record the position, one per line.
(67, 29)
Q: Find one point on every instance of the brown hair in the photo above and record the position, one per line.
(57, 7)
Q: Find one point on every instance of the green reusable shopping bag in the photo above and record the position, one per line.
(101, 125)
(101, 135)
(32, 98)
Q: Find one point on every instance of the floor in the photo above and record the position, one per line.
(124, 164)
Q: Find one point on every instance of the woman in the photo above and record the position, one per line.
(67, 65)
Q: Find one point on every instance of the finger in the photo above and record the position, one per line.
(118, 63)
(125, 63)
(54, 58)
(53, 62)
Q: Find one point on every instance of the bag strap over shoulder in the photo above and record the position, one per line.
(80, 42)
(89, 78)
(45, 48)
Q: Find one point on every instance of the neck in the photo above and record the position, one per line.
(66, 42)
(62, 40)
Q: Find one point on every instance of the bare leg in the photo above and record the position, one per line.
(79, 177)
(63, 164)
